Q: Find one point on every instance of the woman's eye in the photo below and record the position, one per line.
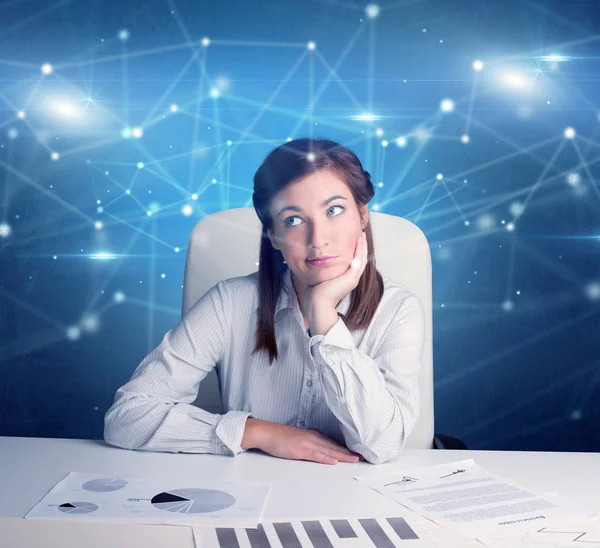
(295, 217)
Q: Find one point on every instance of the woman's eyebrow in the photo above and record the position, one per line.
(296, 208)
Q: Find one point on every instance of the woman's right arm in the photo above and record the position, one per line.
(154, 411)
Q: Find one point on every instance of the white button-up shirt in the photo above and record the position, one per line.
(358, 388)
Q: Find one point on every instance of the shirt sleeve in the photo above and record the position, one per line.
(376, 399)
(154, 411)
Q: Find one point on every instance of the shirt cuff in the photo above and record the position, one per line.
(338, 336)
(229, 433)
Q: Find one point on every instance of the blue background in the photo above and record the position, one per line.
(512, 218)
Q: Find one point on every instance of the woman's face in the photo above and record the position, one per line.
(313, 225)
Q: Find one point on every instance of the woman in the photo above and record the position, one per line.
(316, 360)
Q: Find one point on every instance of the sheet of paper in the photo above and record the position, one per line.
(466, 497)
(551, 533)
(88, 496)
(365, 532)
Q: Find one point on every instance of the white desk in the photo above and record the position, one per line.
(30, 467)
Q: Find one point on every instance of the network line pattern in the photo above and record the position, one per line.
(123, 125)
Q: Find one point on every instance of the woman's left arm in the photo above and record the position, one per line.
(376, 399)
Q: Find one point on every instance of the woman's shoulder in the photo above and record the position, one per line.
(397, 296)
(241, 287)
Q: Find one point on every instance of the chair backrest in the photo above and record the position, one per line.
(401, 252)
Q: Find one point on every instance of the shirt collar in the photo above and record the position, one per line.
(287, 297)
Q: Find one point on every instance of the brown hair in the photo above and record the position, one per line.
(284, 165)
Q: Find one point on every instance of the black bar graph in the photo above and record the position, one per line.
(343, 528)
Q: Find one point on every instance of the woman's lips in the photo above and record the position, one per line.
(322, 262)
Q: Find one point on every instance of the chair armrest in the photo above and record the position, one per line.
(441, 441)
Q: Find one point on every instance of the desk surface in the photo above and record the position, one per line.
(30, 467)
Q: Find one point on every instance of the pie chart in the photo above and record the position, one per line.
(77, 507)
(103, 485)
(193, 501)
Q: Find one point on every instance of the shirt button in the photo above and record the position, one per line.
(309, 383)
(302, 423)
(224, 447)
(328, 351)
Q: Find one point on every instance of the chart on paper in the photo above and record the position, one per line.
(387, 532)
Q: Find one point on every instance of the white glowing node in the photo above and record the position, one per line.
(380, 185)
(12, 133)
(140, 165)
(126, 133)
(229, 143)
(376, 207)
(90, 323)
(593, 291)
(311, 46)
(366, 117)
(569, 133)
(47, 68)
(103, 256)
(21, 115)
(119, 297)
(439, 176)
(447, 105)
(137, 132)
(55, 156)
(214, 92)
(310, 157)
(485, 222)
(401, 142)
(384, 143)
(177, 250)
(477, 65)
(154, 207)
(205, 41)
(372, 10)
(187, 210)
(517, 209)
(98, 225)
(422, 134)
(194, 196)
(288, 139)
(163, 276)
(465, 139)
(73, 333)
(5, 230)
(379, 132)
(173, 108)
(64, 108)
(573, 179)
(510, 227)
(124, 35)
(508, 305)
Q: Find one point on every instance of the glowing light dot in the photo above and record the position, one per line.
(137, 132)
(149, 213)
(126, 133)
(508, 305)
(401, 142)
(12, 133)
(439, 176)
(288, 139)
(205, 41)
(447, 105)
(573, 179)
(128, 191)
(47, 68)
(379, 132)
(21, 115)
(467, 223)
(477, 65)
(214, 92)
(163, 276)
(5, 230)
(214, 181)
(569, 133)
(73, 333)
(593, 291)
(124, 35)
(98, 225)
(187, 210)
(119, 297)
(194, 196)
(100, 209)
(311, 46)
(177, 250)
(517, 209)
(465, 139)
(510, 227)
(173, 108)
(380, 185)
(140, 165)
(376, 207)
(90, 323)
(310, 157)
(372, 11)
(384, 143)
(55, 156)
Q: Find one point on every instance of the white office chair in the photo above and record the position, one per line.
(401, 252)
